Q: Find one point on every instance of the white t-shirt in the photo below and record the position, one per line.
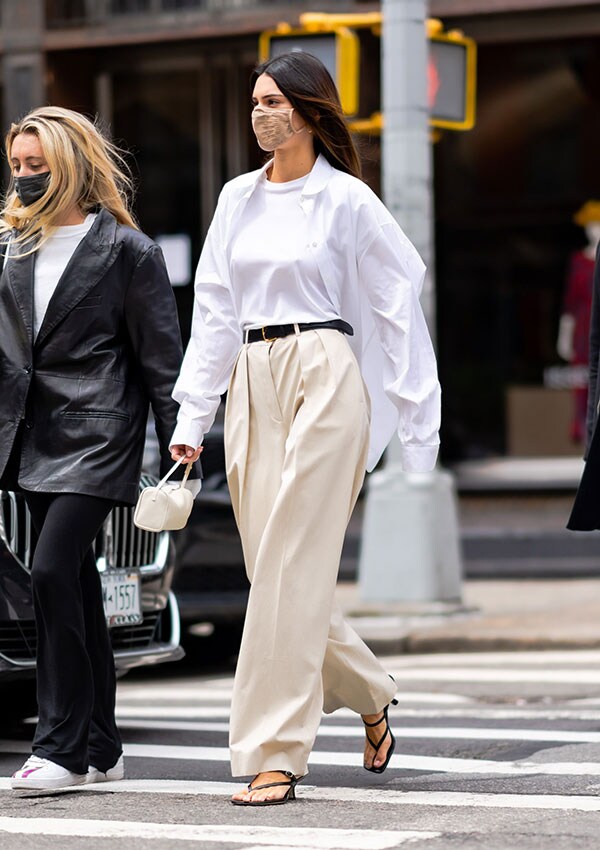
(274, 274)
(51, 261)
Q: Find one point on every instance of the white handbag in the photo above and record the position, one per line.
(166, 507)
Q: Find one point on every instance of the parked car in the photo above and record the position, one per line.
(210, 578)
(136, 569)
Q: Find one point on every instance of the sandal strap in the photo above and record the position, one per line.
(376, 723)
(384, 716)
(292, 781)
(381, 740)
(383, 719)
(271, 785)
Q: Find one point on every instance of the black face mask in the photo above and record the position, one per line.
(30, 189)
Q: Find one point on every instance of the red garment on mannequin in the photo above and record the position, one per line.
(578, 303)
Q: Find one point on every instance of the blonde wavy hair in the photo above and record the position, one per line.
(86, 171)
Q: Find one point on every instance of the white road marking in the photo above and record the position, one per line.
(487, 674)
(428, 764)
(481, 712)
(433, 799)
(128, 700)
(484, 659)
(171, 712)
(319, 838)
(475, 733)
(166, 695)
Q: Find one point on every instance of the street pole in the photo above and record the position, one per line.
(410, 551)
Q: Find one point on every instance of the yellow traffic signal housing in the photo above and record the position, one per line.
(336, 40)
(337, 47)
(451, 81)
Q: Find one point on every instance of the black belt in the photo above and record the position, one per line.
(271, 332)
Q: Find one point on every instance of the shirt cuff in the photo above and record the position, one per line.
(419, 458)
(188, 432)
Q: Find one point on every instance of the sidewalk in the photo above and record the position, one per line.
(494, 615)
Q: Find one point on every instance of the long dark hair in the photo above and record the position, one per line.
(307, 84)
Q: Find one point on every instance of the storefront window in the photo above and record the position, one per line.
(506, 194)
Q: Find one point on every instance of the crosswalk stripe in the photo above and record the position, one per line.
(429, 764)
(459, 674)
(476, 733)
(367, 796)
(161, 695)
(439, 673)
(127, 699)
(192, 712)
(544, 657)
(320, 838)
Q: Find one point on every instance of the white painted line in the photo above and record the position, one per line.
(475, 733)
(318, 838)
(128, 702)
(195, 709)
(173, 694)
(484, 659)
(271, 847)
(172, 712)
(485, 713)
(474, 675)
(428, 764)
(433, 799)
(482, 712)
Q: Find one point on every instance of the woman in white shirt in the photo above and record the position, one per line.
(305, 282)
(89, 338)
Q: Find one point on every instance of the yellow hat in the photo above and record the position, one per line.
(589, 212)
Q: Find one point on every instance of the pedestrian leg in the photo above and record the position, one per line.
(66, 525)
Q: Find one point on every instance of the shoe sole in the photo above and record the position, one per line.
(115, 774)
(104, 777)
(46, 784)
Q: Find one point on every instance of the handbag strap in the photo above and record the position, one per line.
(177, 463)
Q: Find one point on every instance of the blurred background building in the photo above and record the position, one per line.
(170, 80)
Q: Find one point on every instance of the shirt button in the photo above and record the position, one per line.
(314, 244)
(27, 369)
(29, 425)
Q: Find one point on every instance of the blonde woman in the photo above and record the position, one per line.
(88, 338)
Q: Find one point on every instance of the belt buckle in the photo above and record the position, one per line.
(267, 338)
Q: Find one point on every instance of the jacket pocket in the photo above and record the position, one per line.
(89, 301)
(96, 414)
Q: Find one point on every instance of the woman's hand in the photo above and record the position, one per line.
(190, 454)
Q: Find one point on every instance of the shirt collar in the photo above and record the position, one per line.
(318, 178)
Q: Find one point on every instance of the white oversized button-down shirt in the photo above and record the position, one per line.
(372, 274)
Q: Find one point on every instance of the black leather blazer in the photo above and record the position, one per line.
(109, 346)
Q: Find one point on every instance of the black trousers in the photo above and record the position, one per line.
(76, 681)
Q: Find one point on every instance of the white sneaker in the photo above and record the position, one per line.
(113, 774)
(38, 774)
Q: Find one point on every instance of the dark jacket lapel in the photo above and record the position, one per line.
(19, 271)
(92, 258)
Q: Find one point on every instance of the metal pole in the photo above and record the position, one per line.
(410, 550)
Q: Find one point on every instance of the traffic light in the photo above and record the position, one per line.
(451, 79)
(348, 45)
(337, 48)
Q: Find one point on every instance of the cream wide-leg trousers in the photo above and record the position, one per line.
(296, 436)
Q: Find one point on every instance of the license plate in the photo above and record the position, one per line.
(121, 597)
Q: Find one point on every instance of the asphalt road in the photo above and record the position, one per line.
(495, 752)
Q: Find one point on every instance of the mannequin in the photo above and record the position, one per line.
(574, 326)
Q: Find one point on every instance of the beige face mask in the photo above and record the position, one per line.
(272, 127)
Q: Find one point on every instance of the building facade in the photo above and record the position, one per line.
(170, 80)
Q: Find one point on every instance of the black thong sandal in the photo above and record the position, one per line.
(289, 795)
(376, 746)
